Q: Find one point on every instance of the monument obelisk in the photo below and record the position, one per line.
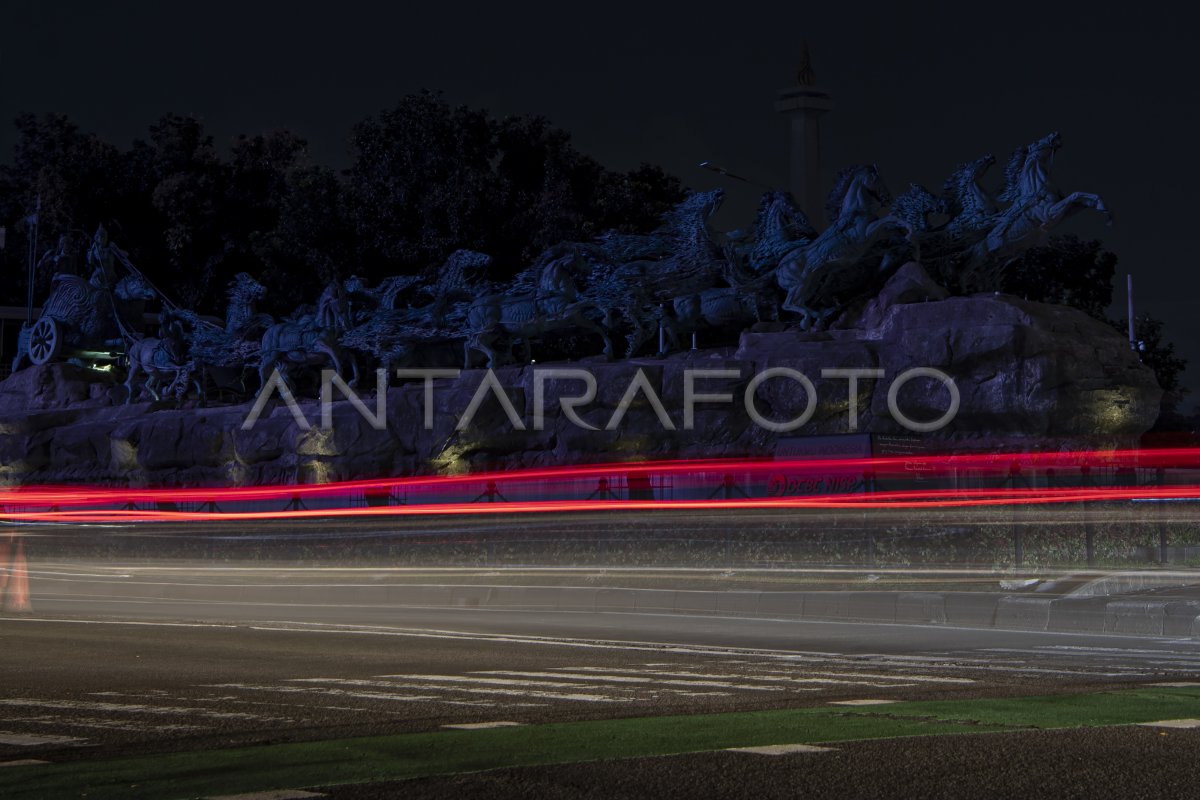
(803, 105)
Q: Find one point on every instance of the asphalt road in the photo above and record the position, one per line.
(193, 682)
(107, 666)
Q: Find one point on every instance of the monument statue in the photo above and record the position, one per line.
(576, 299)
(850, 255)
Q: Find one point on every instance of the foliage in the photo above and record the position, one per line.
(1159, 355)
(1066, 271)
(425, 179)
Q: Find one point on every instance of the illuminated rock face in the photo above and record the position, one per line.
(1037, 374)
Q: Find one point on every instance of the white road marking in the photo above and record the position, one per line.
(32, 740)
(483, 726)
(715, 684)
(466, 688)
(108, 724)
(764, 676)
(1178, 684)
(781, 749)
(23, 762)
(404, 698)
(863, 702)
(466, 679)
(274, 794)
(84, 705)
(121, 622)
(1172, 723)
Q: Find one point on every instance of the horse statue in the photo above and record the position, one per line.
(527, 312)
(779, 228)
(221, 353)
(632, 277)
(309, 340)
(1035, 205)
(915, 206)
(161, 359)
(972, 209)
(685, 251)
(820, 277)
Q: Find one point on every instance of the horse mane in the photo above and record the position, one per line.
(841, 185)
(793, 220)
(686, 212)
(241, 285)
(953, 185)
(914, 205)
(1012, 173)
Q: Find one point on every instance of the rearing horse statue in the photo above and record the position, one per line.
(821, 276)
(1035, 203)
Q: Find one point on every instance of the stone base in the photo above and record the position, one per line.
(1029, 375)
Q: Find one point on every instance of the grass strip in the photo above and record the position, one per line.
(397, 757)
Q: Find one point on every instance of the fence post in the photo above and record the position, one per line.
(1018, 542)
(1089, 529)
(1160, 516)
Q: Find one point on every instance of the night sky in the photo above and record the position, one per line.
(917, 88)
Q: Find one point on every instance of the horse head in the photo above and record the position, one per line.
(857, 190)
(780, 218)
(705, 204)
(246, 289)
(966, 177)
(1028, 167)
(693, 213)
(134, 287)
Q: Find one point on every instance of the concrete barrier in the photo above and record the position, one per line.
(1135, 616)
(781, 605)
(1070, 613)
(921, 607)
(1180, 618)
(970, 609)
(1085, 615)
(696, 601)
(738, 604)
(617, 599)
(1023, 613)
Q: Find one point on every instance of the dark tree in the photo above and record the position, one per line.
(428, 179)
(179, 170)
(422, 183)
(1067, 271)
(312, 243)
(1159, 355)
(77, 178)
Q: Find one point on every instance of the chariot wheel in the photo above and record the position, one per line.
(45, 341)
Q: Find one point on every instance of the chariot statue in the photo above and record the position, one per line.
(88, 320)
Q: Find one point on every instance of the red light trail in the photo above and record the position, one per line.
(428, 495)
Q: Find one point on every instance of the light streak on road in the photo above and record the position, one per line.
(894, 482)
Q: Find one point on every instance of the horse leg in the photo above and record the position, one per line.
(199, 380)
(468, 346)
(266, 366)
(485, 343)
(329, 352)
(1065, 207)
(594, 328)
(129, 380)
(151, 384)
(353, 368)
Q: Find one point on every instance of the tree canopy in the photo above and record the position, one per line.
(425, 179)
